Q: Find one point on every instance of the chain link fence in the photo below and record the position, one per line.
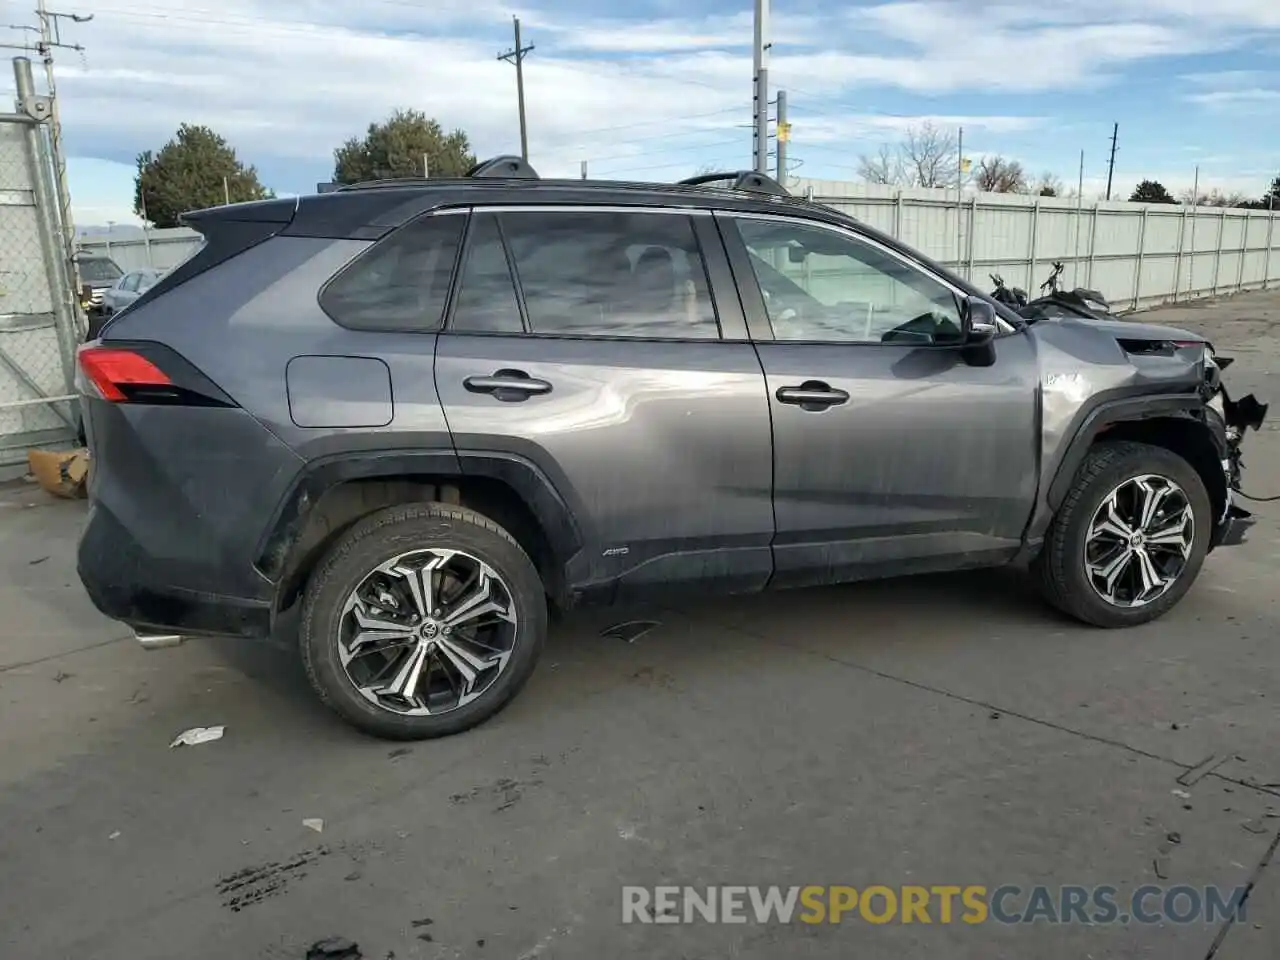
(37, 327)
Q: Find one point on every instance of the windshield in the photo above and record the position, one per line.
(98, 271)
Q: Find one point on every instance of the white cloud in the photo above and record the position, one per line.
(288, 80)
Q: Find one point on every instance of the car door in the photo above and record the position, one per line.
(891, 452)
(589, 343)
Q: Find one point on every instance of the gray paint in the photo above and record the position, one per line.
(676, 458)
(339, 391)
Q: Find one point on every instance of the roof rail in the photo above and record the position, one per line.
(505, 167)
(378, 184)
(749, 180)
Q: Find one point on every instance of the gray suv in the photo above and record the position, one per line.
(427, 412)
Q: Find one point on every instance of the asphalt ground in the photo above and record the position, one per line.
(925, 732)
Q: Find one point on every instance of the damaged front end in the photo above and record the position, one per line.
(1236, 417)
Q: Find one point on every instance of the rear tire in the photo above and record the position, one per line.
(1100, 560)
(431, 581)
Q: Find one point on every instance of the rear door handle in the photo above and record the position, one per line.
(812, 395)
(510, 386)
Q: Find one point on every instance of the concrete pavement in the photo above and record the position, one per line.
(925, 731)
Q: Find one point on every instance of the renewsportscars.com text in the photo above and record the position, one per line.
(941, 904)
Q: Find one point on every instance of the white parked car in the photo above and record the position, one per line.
(129, 288)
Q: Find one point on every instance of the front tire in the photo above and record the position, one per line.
(1130, 537)
(422, 621)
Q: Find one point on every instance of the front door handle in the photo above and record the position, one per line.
(812, 395)
(510, 386)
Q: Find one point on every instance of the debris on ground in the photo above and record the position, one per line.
(424, 922)
(62, 473)
(37, 561)
(1180, 793)
(334, 948)
(1253, 826)
(629, 631)
(196, 736)
(61, 675)
(114, 835)
(313, 823)
(994, 715)
(1161, 867)
(1174, 837)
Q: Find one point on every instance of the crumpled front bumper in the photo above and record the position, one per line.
(1234, 526)
(1238, 416)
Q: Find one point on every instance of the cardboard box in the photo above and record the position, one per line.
(64, 473)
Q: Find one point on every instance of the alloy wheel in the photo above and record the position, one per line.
(1139, 541)
(427, 632)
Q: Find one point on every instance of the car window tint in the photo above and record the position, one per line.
(821, 285)
(129, 282)
(400, 283)
(611, 274)
(486, 294)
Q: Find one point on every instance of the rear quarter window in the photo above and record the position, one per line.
(401, 283)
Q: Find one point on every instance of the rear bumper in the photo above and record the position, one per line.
(116, 577)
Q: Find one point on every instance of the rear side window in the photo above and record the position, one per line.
(611, 274)
(401, 283)
(486, 293)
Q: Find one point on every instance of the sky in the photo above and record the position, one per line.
(664, 89)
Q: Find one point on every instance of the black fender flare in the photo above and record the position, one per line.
(545, 499)
(1107, 413)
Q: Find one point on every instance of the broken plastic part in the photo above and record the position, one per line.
(197, 735)
(630, 631)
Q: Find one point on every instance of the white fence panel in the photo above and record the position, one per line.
(1137, 255)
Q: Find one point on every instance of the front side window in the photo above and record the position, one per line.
(128, 282)
(401, 283)
(609, 274)
(821, 285)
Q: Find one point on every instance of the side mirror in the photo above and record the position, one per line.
(978, 321)
(978, 325)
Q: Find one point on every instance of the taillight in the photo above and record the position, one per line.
(117, 374)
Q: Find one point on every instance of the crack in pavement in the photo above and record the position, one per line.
(1263, 862)
(1002, 710)
(1254, 878)
(65, 653)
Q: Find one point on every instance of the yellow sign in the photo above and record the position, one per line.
(965, 164)
(784, 132)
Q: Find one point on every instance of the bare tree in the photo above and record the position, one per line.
(1049, 185)
(929, 153)
(995, 174)
(925, 158)
(885, 167)
(1214, 198)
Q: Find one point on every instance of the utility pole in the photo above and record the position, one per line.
(1111, 166)
(51, 37)
(516, 55)
(783, 135)
(584, 169)
(959, 193)
(226, 192)
(761, 102)
(426, 166)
